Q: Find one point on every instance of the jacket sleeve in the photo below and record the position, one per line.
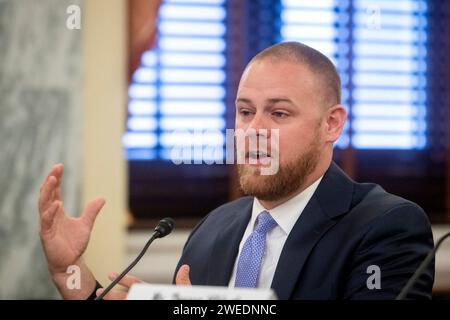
(392, 248)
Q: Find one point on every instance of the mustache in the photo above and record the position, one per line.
(257, 154)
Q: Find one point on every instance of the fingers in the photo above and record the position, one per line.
(50, 189)
(48, 217)
(92, 210)
(46, 196)
(56, 171)
(182, 277)
(59, 175)
(127, 281)
(112, 295)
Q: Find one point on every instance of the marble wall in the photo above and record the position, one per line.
(40, 96)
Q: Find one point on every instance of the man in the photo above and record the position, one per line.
(308, 231)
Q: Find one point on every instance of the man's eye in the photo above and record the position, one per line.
(244, 113)
(279, 114)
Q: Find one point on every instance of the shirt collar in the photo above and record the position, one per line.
(287, 213)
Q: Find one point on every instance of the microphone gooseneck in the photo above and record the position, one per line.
(164, 227)
(421, 269)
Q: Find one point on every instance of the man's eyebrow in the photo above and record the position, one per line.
(277, 100)
(270, 101)
(244, 100)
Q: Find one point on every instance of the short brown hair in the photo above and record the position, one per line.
(318, 64)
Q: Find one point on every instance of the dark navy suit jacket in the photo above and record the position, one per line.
(345, 228)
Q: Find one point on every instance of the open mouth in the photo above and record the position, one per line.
(258, 157)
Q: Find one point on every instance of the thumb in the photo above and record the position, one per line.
(92, 210)
(182, 277)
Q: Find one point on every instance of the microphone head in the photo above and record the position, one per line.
(164, 227)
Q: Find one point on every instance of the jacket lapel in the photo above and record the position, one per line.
(226, 247)
(331, 199)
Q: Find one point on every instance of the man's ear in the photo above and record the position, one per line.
(335, 120)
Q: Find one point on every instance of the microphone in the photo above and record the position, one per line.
(164, 227)
(421, 269)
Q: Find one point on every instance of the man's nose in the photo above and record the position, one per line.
(259, 125)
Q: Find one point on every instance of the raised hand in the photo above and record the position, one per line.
(64, 238)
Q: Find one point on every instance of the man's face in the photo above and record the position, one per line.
(280, 95)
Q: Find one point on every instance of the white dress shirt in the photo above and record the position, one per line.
(286, 216)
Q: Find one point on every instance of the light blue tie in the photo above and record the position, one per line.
(252, 252)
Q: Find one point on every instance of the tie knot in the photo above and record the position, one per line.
(265, 223)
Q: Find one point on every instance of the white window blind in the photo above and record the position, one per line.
(384, 83)
(315, 23)
(180, 85)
